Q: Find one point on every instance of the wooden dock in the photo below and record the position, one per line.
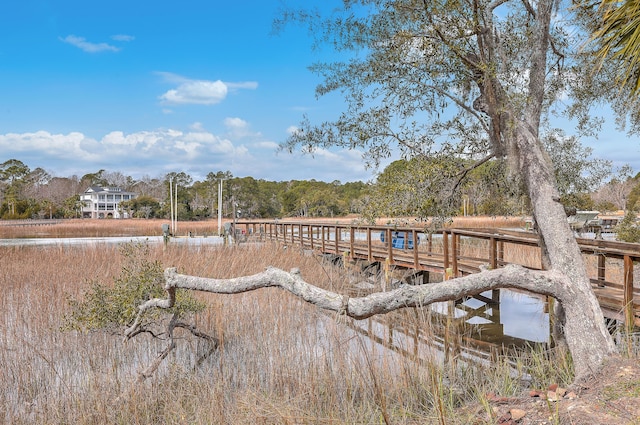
(457, 252)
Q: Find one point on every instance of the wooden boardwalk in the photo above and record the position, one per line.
(458, 252)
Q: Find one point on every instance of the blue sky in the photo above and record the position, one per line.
(150, 87)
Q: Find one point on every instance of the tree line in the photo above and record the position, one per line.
(418, 187)
(27, 193)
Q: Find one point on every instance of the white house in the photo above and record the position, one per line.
(104, 202)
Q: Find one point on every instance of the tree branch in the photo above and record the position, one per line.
(511, 276)
(150, 370)
(467, 170)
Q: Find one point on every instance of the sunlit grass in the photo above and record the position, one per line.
(107, 227)
(281, 360)
(153, 227)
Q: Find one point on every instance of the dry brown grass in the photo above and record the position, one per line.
(281, 361)
(96, 228)
(153, 227)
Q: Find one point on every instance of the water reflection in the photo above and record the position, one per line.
(475, 329)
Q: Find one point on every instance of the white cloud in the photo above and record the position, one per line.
(199, 92)
(191, 149)
(123, 37)
(240, 129)
(73, 144)
(292, 129)
(236, 123)
(197, 126)
(83, 44)
(195, 151)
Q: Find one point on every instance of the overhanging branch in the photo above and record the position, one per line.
(512, 276)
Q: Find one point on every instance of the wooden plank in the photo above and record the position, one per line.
(454, 252)
(627, 300)
(493, 253)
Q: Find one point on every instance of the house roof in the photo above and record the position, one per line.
(102, 189)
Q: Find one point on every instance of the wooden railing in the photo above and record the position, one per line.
(463, 251)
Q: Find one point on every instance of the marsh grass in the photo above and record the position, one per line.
(153, 227)
(281, 361)
(108, 227)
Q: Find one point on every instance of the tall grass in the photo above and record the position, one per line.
(153, 227)
(97, 228)
(281, 361)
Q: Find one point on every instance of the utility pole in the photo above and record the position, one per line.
(171, 202)
(220, 206)
(175, 209)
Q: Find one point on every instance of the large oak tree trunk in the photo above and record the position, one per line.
(584, 329)
(514, 133)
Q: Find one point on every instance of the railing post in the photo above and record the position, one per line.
(337, 239)
(445, 250)
(369, 245)
(311, 236)
(352, 239)
(493, 253)
(601, 267)
(389, 245)
(629, 313)
(454, 253)
(416, 261)
(322, 239)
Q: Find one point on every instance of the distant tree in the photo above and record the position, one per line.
(59, 189)
(270, 205)
(12, 174)
(72, 207)
(627, 230)
(180, 182)
(291, 198)
(117, 179)
(613, 195)
(13, 170)
(433, 186)
(143, 207)
(94, 179)
(423, 187)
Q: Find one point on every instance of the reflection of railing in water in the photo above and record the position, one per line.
(425, 334)
(611, 263)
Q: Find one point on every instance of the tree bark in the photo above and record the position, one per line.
(584, 329)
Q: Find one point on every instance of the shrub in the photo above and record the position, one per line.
(114, 307)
